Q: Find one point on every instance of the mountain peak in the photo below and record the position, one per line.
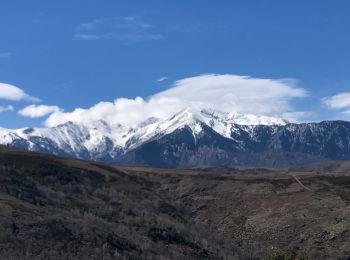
(99, 139)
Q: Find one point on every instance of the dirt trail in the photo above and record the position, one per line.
(301, 184)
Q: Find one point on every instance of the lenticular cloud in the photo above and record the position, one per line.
(227, 93)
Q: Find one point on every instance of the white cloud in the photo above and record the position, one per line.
(235, 93)
(347, 112)
(339, 101)
(4, 55)
(7, 108)
(221, 92)
(162, 79)
(118, 36)
(35, 111)
(14, 93)
(130, 28)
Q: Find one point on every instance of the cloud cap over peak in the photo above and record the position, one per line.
(242, 94)
(227, 93)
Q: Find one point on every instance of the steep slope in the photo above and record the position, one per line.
(261, 146)
(183, 147)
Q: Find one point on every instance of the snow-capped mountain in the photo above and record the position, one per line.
(190, 137)
(93, 138)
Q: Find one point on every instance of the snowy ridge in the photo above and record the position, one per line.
(100, 140)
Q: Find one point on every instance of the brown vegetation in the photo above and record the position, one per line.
(56, 208)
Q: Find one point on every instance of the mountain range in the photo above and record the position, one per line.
(191, 138)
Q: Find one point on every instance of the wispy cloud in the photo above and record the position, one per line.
(131, 28)
(340, 101)
(6, 108)
(162, 79)
(4, 55)
(10, 92)
(190, 28)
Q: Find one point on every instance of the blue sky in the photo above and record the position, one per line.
(77, 53)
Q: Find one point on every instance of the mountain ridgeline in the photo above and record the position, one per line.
(260, 146)
(192, 138)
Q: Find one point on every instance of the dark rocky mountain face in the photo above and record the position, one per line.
(263, 146)
(182, 148)
(184, 141)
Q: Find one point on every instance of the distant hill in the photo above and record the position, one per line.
(325, 167)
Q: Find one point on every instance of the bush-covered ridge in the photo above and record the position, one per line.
(50, 210)
(56, 208)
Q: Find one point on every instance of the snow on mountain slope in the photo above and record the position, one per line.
(7, 136)
(98, 139)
